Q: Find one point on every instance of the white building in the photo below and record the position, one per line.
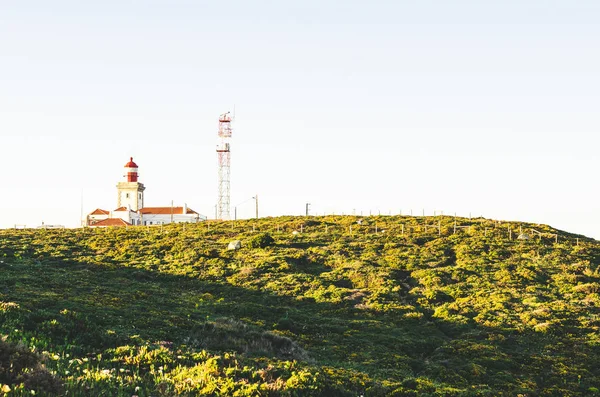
(131, 210)
(96, 216)
(163, 215)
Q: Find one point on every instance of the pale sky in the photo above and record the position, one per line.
(481, 107)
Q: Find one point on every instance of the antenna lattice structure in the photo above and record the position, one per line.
(224, 157)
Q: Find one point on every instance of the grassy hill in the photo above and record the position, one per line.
(373, 306)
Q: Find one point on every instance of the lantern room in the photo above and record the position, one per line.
(131, 171)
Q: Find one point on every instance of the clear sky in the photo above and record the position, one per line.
(482, 107)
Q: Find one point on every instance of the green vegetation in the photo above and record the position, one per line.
(390, 306)
(262, 240)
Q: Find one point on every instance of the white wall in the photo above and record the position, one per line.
(96, 218)
(125, 215)
(160, 219)
(133, 201)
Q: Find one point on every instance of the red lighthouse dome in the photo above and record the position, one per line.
(131, 170)
(131, 164)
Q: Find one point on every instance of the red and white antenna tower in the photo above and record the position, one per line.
(224, 157)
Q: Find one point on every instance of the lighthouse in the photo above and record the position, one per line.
(131, 192)
(131, 210)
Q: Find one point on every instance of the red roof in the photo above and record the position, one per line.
(98, 211)
(111, 222)
(131, 164)
(166, 211)
(122, 209)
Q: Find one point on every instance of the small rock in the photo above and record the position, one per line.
(295, 232)
(234, 245)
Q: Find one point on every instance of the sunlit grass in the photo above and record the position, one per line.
(384, 306)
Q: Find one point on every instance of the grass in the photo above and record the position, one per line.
(390, 306)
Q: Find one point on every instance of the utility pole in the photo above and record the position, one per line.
(237, 205)
(256, 199)
(307, 206)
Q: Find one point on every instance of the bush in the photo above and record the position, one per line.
(19, 365)
(262, 240)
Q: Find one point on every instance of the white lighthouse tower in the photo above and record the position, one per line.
(131, 192)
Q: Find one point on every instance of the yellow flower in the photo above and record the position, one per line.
(5, 388)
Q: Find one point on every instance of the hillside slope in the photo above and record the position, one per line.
(391, 306)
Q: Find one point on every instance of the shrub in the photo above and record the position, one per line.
(19, 365)
(261, 240)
